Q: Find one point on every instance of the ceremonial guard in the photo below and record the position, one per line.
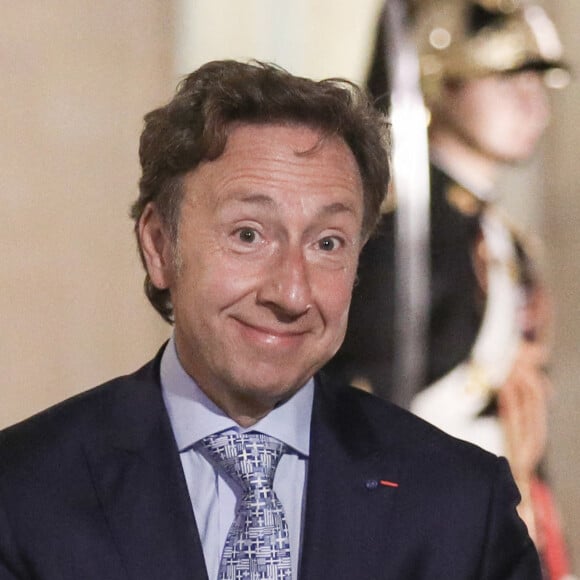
(484, 66)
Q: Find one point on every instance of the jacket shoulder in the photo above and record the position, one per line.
(389, 427)
(85, 416)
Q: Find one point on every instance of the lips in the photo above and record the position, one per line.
(268, 336)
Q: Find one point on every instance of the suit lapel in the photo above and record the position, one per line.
(350, 491)
(138, 478)
(137, 474)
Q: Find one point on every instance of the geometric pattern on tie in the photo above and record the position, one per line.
(257, 546)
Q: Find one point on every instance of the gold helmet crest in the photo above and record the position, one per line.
(464, 39)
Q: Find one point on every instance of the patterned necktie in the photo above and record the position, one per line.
(257, 546)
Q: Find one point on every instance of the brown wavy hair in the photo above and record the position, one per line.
(193, 127)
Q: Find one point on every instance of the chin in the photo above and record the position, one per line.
(266, 395)
(273, 384)
(515, 158)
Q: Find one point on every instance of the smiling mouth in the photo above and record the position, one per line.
(271, 336)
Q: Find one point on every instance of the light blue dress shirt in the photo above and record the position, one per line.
(214, 497)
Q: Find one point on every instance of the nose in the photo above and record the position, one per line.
(286, 288)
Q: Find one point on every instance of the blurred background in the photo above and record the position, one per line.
(77, 78)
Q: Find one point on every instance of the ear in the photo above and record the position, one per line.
(156, 247)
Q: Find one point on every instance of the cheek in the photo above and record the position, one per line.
(497, 128)
(226, 280)
(333, 293)
(492, 128)
(514, 135)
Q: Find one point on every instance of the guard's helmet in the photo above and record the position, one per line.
(465, 39)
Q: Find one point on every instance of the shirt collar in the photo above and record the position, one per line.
(194, 416)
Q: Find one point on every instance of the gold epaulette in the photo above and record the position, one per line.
(463, 200)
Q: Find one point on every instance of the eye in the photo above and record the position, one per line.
(248, 235)
(329, 243)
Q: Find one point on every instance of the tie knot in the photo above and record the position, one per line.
(250, 458)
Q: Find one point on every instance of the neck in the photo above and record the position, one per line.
(471, 167)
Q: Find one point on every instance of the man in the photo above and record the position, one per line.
(259, 190)
(485, 66)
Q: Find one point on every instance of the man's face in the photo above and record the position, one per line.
(501, 116)
(268, 244)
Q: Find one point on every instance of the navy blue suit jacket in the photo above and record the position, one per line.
(93, 489)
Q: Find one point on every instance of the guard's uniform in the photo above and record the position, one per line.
(485, 295)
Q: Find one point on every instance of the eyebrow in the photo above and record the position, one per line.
(337, 207)
(258, 199)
